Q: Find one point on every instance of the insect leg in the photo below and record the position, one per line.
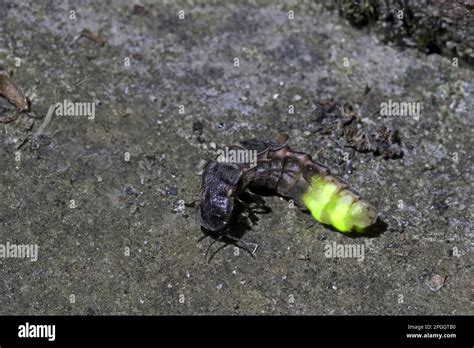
(215, 252)
(256, 198)
(201, 238)
(238, 243)
(252, 215)
(218, 239)
(234, 241)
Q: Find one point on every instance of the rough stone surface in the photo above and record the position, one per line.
(432, 26)
(424, 197)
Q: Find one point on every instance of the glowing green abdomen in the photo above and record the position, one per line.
(330, 203)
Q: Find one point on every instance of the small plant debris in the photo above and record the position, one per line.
(12, 92)
(383, 142)
(139, 10)
(93, 37)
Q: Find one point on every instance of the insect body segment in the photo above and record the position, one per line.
(217, 195)
(330, 203)
(291, 174)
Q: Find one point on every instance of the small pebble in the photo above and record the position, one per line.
(133, 209)
(173, 191)
(296, 97)
(436, 282)
(129, 190)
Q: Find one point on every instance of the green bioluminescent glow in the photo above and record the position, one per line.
(330, 204)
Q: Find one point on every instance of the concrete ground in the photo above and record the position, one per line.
(102, 198)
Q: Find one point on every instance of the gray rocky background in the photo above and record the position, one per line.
(112, 233)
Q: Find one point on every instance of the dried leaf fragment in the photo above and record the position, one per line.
(139, 10)
(93, 37)
(11, 92)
